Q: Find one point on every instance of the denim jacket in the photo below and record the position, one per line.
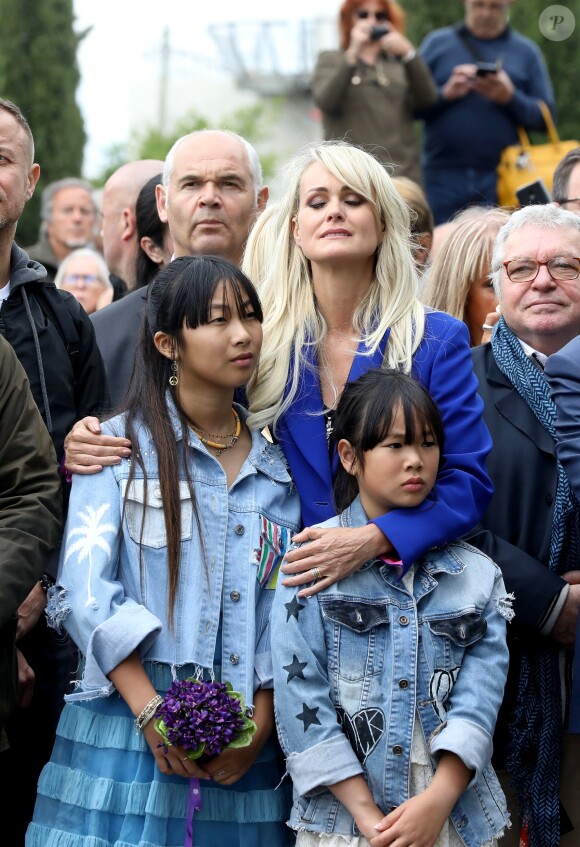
(356, 663)
(112, 606)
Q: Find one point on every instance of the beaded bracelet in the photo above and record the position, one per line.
(147, 713)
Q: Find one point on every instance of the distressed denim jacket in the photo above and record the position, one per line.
(111, 604)
(355, 664)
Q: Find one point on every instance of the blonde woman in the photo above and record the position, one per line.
(340, 297)
(458, 281)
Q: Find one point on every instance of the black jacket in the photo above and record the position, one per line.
(516, 528)
(117, 328)
(66, 384)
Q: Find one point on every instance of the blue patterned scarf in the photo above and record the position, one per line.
(536, 731)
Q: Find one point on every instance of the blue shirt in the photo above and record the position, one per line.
(471, 132)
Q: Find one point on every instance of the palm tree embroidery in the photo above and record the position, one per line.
(91, 536)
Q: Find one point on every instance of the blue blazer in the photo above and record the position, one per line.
(442, 363)
(563, 374)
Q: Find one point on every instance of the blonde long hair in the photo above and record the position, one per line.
(464, 257)
(282, 276)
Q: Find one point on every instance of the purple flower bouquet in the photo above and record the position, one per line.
(204, 718)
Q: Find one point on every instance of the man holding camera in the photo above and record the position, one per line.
(367, 91)
(490, 79)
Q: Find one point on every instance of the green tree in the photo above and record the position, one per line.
(251, 122)
(39, 72)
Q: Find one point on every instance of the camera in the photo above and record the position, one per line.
(378, 32)
(486, 68)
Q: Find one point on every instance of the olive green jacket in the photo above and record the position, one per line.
(30, 509)
(372, 106)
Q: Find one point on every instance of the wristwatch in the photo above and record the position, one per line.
(46, 582)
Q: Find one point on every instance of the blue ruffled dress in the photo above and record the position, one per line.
(102, 788)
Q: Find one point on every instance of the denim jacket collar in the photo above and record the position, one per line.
(263, 456)
(437, 560)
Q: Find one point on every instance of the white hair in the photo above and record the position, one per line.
(84, 253)
(546, 216)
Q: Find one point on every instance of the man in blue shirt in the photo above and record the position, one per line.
(478, 110)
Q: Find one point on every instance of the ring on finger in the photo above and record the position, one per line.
(486, 326)
(222, 772)
(315, 573)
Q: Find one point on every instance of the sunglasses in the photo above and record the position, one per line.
(363, 14)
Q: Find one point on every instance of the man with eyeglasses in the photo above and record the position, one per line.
(69, 215)
(532, 526)
(566, 184)
(490, 79)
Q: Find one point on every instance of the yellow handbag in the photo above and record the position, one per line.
(526, 162)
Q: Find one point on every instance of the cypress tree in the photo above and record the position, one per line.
(39, 72)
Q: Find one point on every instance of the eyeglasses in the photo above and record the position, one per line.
(526, 270)
(87, 279)
(363, 14)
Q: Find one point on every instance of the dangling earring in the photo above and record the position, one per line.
(173, 380)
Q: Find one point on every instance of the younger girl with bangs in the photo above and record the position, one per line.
(167, 572)
(388, 683)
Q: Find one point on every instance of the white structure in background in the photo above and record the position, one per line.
(252, 61)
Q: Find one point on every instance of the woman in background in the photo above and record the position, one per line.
(84, 274)
(457, 281)
(153, 236)
(367, 91)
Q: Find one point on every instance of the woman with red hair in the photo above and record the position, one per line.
(368, 90)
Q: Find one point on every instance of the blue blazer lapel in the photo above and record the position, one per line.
(303, 430)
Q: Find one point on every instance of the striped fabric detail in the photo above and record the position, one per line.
(274, 541)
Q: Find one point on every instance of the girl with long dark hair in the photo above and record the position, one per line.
(167, 572)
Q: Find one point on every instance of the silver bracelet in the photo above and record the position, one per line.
(147, 713)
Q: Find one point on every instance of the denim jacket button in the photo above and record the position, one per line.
(397, 749)
(234, 658)
(239, 529)
(403, 683)
(235, 596)
(404, 620)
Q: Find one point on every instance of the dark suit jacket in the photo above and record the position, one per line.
(515, 530)
(563, 374)
(117, 329)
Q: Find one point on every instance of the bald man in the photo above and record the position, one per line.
(119, 230)
(210, 196)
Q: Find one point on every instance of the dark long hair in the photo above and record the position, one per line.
(364, 417)
(180, 297)
(148, 223)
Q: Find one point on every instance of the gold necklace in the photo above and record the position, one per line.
(214, 445)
